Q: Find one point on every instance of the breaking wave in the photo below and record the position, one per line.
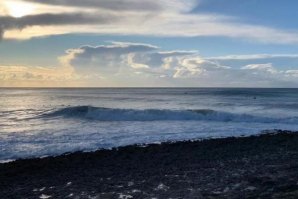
(111, 114)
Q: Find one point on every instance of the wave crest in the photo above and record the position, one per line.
(110, 114)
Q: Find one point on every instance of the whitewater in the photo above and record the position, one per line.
(45, 122)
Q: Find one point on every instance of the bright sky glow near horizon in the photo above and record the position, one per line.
(135, 43)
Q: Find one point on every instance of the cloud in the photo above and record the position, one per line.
(104, 59)
(139, 64)
(154, 18)
(125, 5)
(254, 56)
(163, 59)
(292, 73)
(123, 58)
(261, 67)
(248, 76)
(278, 60)
(1, 33)
(116, 5)
(196, 66)
(16, 75)
(7, 22)
(143, 63)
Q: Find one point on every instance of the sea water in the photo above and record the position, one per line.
(43, 122)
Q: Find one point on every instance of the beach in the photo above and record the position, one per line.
(263, 166)
(142, 99)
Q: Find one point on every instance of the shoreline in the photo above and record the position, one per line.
(143, 145)
(263, 165)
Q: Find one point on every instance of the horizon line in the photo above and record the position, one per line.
(145, 87)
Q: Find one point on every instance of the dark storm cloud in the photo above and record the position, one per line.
(7, 22)
(135, 5)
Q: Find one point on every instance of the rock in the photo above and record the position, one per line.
(130, 184)
(227, 189)
(236, 186)
(216, 192)
(250, 188)
(44, 196)
(123, 196)
(162, 187)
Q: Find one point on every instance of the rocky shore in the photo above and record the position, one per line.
(264, 166)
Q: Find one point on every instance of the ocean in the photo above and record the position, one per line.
(49, 122)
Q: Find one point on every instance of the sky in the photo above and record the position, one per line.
(145, 43)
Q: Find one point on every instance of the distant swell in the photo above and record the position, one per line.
(110, 114)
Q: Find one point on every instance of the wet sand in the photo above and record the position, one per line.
(264, 166)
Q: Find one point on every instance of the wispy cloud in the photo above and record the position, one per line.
(8, 22)
(159, 18)
(120, 5)
(254, 56)
(16, 75)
